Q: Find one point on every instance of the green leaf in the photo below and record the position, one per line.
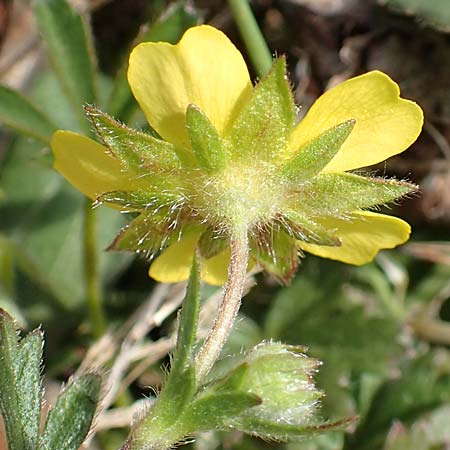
(315, 155)
(333, 194)
(262, 128)
(20, 388)
(70, 51)
(19, 113)
(215, 411)
(435, 13)
(69, 422)
(179, 388)
(419, 389)
(188, 321)
(205, 140)
(169, 28)
(42, 220)
(134, 149)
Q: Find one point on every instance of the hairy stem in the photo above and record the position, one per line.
(254, 41)
(93, 292)
(229, 307)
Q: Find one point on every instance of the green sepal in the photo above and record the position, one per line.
(147, 234)
(19, 113)
(262, 128)
(333, 194)
(20, 389)
(283, 431)
(69, 422)
(215, 411)
(304, 229)
(316, 154)
(150, 200)
(212, 242)
(205, 140)
(276, 252)
(133, 148)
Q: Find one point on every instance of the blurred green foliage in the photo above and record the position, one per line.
(362, 323)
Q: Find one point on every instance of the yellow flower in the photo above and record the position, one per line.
(230, 156)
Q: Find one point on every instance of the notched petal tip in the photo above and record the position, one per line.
(166, 78)
(386, 124)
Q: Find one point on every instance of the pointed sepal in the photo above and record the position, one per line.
(337, 195)
(316, 154)
(262, 128)
(133, 148)
(276, 252)
(205, 140)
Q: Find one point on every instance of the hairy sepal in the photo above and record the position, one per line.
(316, 154)
(133, 148)
(338, 194)
(262, 128)
(205, 140)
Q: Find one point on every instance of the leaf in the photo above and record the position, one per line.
(262, 128)
(42, 220)
(217, 410)
(435, 13)
(179, 388)
(133, 148)
(205, 140)
(19, 113)
(70, 51)
(69, 422)
(20, 388)
(315, 155)
(418, 390)
(333, 194)
(320, 303)
(169, 28)
(188, 321)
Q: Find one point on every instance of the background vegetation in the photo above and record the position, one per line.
(382, 331)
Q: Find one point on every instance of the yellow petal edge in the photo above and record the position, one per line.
(362, 237)
(385, 123)
(87, 164)
(204, 68)
(174, 264)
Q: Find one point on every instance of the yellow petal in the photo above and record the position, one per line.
(87, 165)
(204, 68)
(385, 124)
(174, 264)
(362, 237)
(214, 271)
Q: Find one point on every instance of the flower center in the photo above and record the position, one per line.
(243, 195)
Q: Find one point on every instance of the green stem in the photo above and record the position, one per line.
(228, 309)
(254, 41)
(93, 290)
